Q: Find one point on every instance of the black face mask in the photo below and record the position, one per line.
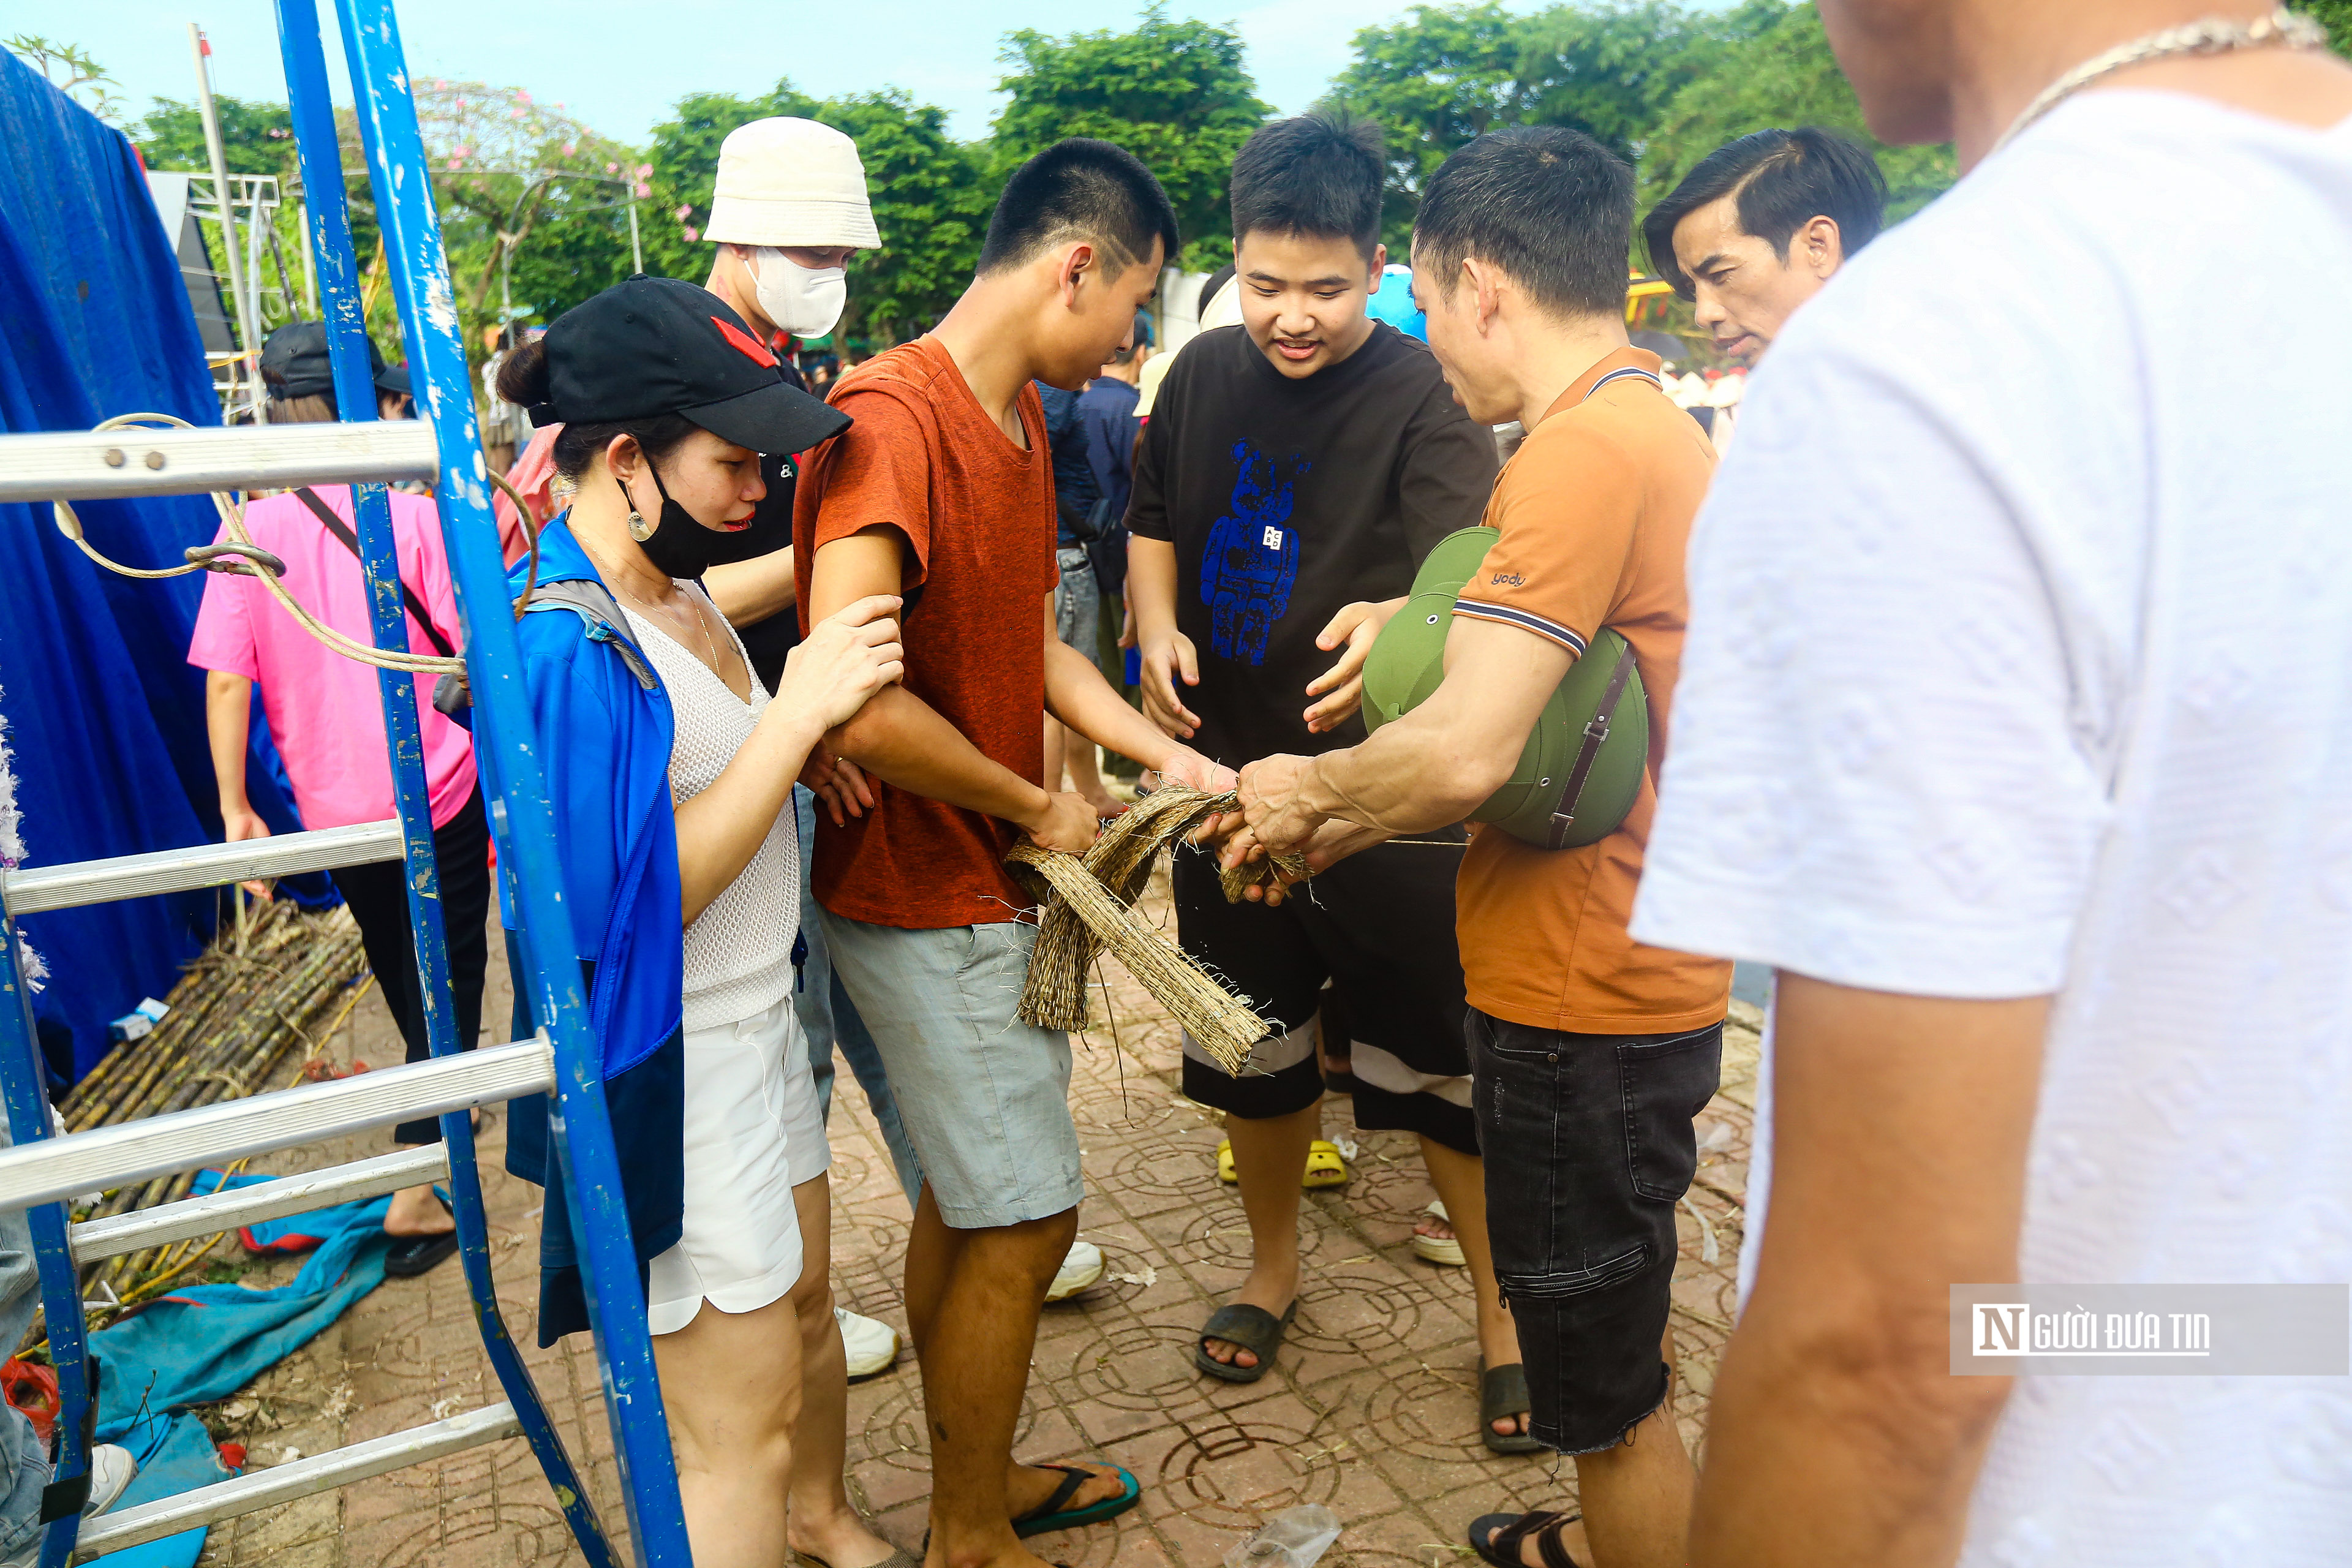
(676, 544)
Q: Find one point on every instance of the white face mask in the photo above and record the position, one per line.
(804, 302)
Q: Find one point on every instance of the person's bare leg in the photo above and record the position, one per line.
(980, 1328)
(1636, 1497)
(1084, 762)
(1461, 1183)
(731, 1385)
(1270, 1156)
(932, 1247)
(823, 1522)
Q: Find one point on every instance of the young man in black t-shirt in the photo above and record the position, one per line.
(1295, 470)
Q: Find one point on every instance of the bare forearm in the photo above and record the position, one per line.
(720, 829)
(1151, 586)
(749, 592)
(903, 741)
(1408, 777)
(228, 717)
(1817, 1459)
(1076, 694)
(1838, 1437)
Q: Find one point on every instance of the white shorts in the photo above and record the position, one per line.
(753, 1132)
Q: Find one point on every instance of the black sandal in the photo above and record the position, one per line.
(1498, 1537)
(1254, 1329)
(1503, 1391)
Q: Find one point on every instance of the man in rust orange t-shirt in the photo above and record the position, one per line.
(942, 491)
(1590, 1053)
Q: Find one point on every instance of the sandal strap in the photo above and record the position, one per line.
(1072, 1479)
(1545, 1528)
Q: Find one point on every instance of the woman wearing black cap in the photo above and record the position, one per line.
(670, 768)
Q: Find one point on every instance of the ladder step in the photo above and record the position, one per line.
(31, 890)
(79, 465)
(125, 1527)
(47, 1169)
(217, 1211)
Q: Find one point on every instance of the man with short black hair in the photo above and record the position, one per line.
(1296, 468)
(1590, 1052)
(942, 491)
(1760, 225)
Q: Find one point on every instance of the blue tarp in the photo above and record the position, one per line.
(103, 710)
(204, 1342)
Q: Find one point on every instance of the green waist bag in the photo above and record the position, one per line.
(1581, 769)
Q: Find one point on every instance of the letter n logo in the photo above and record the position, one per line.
(2000, 1327)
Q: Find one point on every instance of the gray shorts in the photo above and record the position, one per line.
(985, 1098)
(1078, 600)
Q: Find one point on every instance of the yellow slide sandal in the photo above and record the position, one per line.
(1325, 1168)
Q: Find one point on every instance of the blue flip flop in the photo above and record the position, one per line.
(1053, 1513)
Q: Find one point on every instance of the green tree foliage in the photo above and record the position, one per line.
(1663, 83)
(1174, 93)
(930, 200)
(1784, 75)
(2334, 15)
(257, 138)
(1450, 73)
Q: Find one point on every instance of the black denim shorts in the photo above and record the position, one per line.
(1588, 1147)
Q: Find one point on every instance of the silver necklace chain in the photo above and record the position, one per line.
(701, 627)
(2213, 35)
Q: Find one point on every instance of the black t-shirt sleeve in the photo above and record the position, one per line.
(1147, 502)
(1446, 472)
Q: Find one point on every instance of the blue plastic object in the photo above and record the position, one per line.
(1393, 302)
(518, 811)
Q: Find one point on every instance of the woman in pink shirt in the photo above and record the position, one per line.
(326, 714)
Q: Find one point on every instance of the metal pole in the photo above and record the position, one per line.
(309, 264)
(636, 250)
(250, 358)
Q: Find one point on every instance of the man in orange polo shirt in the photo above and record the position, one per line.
(1590, 1052)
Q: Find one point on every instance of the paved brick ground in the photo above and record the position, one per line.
(1371, 1410)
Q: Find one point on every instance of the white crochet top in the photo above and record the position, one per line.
(739, 951)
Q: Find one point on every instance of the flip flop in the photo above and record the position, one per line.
(1226, 1171)
(1325, 1168)
(1051, 1515)
(1439, 1249)
(1498, 1537)
(1503, 1391)
(1254, 1329)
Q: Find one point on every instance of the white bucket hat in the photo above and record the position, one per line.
(789, 182)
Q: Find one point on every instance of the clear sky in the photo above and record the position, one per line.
(619, 66)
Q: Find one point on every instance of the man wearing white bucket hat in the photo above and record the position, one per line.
(789, 208)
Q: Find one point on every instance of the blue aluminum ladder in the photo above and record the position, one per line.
(563, 1059)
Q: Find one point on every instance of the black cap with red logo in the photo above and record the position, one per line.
(660, 345)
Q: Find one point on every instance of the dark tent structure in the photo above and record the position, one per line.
(104, 716)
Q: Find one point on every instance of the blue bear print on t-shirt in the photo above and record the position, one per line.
(1252, 558)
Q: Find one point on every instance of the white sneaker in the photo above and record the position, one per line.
(871, 1344)
(111, 1471)
(1081, 1266)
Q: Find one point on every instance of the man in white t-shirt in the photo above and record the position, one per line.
(2013, 729)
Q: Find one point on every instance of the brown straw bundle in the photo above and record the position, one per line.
(1090, 906)
(246, 1015)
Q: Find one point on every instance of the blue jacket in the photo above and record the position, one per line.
(604, 732)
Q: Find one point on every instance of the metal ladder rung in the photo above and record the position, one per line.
(300, 1479)
(225, 1210)
(92, 465)
(31, 890)
(42, 1171)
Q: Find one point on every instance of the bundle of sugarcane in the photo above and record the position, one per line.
(244, 1017)
(1089, 905)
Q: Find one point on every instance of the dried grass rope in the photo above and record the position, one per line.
(1089, 906)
